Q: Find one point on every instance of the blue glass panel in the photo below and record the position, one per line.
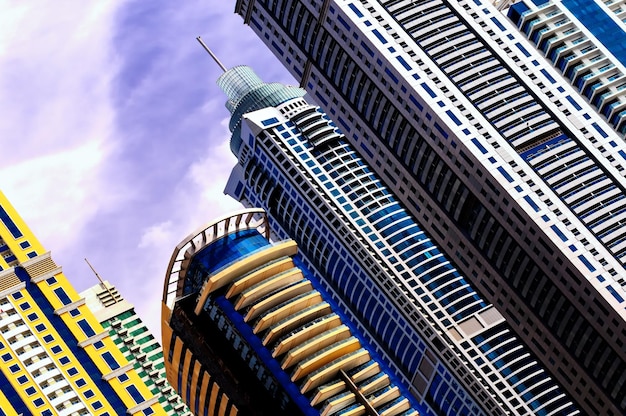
(4, 217)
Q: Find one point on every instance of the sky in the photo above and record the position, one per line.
(113, 132)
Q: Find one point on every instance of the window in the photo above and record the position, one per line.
(6, 357)
(60, 292)
(14, 368)
(97, 405)
(89, 394)
(48, 338)
(56, 349)
(134, 392)
(25, 306)
(110, 360)
(30, 391)
(32, 316)
(80, 382)
(51, 280)
(98, 344)
(64, 360)
(17, 295)
(40, 327)
(72, 372)
(22, 379)
(87, 329)
(38, 402)
(123, 378)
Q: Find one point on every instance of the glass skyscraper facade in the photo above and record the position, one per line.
(56, 359)
(436, 332)
(474, 133)
(248, 331)
(586, 42)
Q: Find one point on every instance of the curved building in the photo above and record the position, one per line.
(246, 331)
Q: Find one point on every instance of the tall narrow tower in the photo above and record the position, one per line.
(429, 324)
(56, 357)
(474, 132)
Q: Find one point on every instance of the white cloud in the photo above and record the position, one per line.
(157, 235)
(57, 124)
(55, 192)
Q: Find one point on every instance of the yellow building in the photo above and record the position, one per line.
(55, 357)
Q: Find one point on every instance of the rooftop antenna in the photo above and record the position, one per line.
(101, 282)
(206, 48)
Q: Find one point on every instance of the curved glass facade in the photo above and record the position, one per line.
(260, 337)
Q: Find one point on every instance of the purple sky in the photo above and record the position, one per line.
(114, 134)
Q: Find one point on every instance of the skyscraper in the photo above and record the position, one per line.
(135, 341)
(585, 41)
(474, 133)
(247, 331)
(56, 358)
(453, 349)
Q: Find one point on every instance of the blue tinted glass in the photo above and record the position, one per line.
(600, 24)
(4, 217)
(221, 253)
(62, 296)
(132, 390)
(87, 329)
(110, 360)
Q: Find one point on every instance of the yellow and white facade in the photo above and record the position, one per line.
(55, 357)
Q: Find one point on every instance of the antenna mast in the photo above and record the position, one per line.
(101, 282)
(206, 48)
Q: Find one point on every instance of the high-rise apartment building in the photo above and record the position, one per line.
(135, 341)
(585, 41)
(248, 331)
(430, 325)
(56, 357)
(473, 132)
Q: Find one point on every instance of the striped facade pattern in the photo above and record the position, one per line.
(426, 91)
(205, 395)
(135, 341)
(314, 347)
(589, 67)
(398, 256)
(56, 359)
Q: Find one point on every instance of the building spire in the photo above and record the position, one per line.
(206, 48)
